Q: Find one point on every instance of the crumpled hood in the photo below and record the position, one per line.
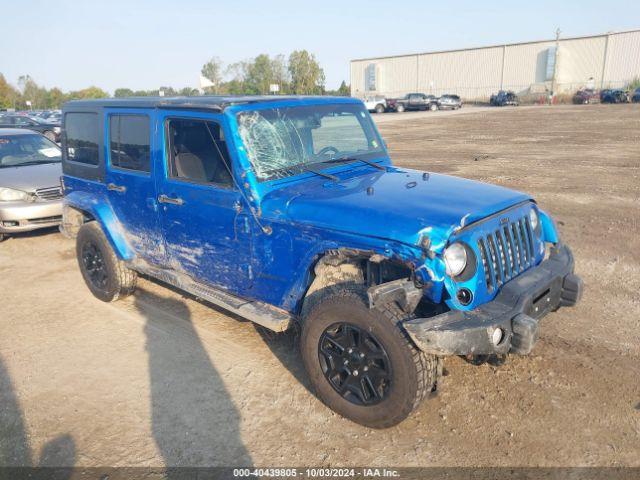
(397, 204)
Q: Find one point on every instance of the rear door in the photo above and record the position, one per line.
(132, 159)
(206, 227)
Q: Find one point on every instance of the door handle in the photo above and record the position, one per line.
(116, 188)
(173, 201)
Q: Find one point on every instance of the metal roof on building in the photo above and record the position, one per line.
(493, 46)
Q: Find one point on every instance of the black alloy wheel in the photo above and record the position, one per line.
(355, 363)
(93, 262)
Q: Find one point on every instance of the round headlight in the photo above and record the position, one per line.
(455, 259)
(533, 218)
(11, 195)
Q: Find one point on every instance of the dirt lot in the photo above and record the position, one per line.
(159, 378)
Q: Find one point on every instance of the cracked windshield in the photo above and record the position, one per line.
(281, 142)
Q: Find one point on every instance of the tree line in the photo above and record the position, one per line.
(299, 74)
(41, 98)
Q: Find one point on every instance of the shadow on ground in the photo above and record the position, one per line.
(194, 420)
(15, 450)
(284, 346)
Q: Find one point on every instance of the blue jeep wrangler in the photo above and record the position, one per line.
(288, 211)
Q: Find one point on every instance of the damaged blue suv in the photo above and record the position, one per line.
(288, 211)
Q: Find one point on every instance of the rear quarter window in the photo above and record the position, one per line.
(82, 137)
(129, 139)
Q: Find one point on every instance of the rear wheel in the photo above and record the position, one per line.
(433, 107)
(379, 108)
(361, 362)
(400, 108)
(104, 273)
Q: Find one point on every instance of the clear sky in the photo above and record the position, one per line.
(149, 43)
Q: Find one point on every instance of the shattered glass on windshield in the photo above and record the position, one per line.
(282, 141)
(271, 145)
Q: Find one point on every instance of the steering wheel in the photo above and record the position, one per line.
(328, 150)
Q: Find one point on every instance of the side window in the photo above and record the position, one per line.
(129, 146)
(340, 134)
(82, 137)
(198, 152)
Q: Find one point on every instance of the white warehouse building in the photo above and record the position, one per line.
(609, 60)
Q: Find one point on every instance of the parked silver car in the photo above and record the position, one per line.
(449, 101)
(30, 192)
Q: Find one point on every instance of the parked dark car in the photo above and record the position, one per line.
(54, 119)
(586, 95)
(413, 101)
(503, 98)
(52, 116)
(49, 130)
(636, 96)
(452, 102)
(615, 96)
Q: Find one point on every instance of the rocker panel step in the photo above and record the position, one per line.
(261, 313)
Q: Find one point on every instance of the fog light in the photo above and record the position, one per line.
(498, 335)
(464, 296)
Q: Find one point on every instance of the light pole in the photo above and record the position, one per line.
(555, 65)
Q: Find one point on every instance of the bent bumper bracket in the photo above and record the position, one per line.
(516, 310)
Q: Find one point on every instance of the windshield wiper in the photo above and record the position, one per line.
(353, 159)
(322, 174)
(34, 162)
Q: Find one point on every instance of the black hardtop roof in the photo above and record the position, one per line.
(206, 102)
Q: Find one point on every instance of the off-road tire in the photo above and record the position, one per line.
(413, 372)
(120, 281)
(400, 108)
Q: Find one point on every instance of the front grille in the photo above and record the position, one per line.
(51, 193)
(42, 220)
(506, 252)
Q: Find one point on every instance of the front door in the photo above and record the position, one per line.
(206, 229)
(415, 101)
(130, 180)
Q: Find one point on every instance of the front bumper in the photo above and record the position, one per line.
(516, 310)
(18, 217)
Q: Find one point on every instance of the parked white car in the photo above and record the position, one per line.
(375, 104)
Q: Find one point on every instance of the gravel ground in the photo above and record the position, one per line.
(161, 379)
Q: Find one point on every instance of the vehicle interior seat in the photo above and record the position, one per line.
(196, 156)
